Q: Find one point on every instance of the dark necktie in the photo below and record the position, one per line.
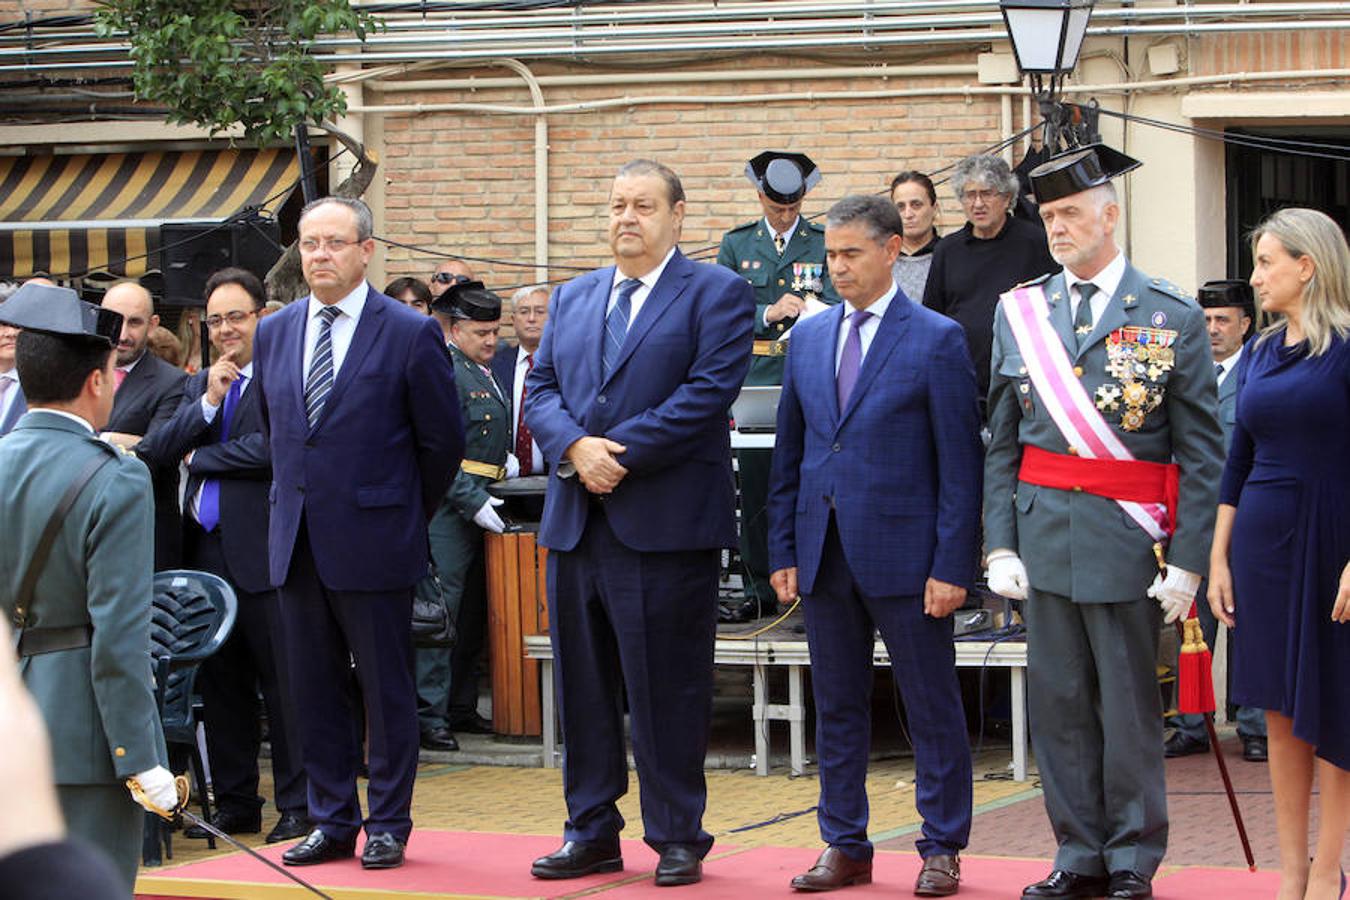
(779, 243)
(850, 361)
(1218, 372)
(616, 323)
(208, 507)
(1082, 319)
(525, 440)
(319, 382)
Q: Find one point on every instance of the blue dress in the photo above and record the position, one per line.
(1288, 474)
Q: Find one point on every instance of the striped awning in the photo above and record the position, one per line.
(80, 214)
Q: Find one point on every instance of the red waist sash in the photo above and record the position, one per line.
(1115, 479)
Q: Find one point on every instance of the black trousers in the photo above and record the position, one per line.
(229, 682)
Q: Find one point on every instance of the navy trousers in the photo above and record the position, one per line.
(643, 623)
(325, 630)
(841, 622)
(230, 680)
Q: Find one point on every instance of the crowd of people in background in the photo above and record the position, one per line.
(1014, 396)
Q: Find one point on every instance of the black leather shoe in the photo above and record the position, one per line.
(738, 612)
(679, 865)
(230, 822)
(1180, 744)
(577, 858)
(382, 851)
(1129, 884)
(1065, 885)
(291, 825)
(318, 848)
(1254, 749)
(474, 724)
(440, 739)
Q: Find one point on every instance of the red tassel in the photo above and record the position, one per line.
(1195, 676)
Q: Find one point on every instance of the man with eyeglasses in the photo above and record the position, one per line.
(217, 433)
(992, 252)
(365, 435)
(448, 272)
(148, 391)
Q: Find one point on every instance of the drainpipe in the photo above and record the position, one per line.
(540, 166)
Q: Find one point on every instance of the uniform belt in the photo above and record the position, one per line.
(487, 470)
(769, 348)
(35, 641)
(1134, 480)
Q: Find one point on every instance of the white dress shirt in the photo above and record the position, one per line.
(640, 294)
(867, 330)
(1228, 365)
(517, 385)
(342, 329)
(7, 401)
(1107, 281)
(209, 414)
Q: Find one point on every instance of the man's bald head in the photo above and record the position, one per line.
(138, 319)
(449, 267)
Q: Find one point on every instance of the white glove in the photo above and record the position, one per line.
(161, 794)
(512, 466)
(487, 518)
(1007, 576)
(1175, 593)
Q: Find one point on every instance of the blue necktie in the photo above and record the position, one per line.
(208, 508)
(319, 382)
(616, 323)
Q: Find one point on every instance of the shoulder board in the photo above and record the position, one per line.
(110, 448)
(1044, 278)
(814, 225)
(1167, 288)
(748, 225)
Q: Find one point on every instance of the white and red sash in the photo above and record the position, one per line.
(1079, 421)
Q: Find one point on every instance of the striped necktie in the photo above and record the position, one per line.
(319, 382)
(616, 323)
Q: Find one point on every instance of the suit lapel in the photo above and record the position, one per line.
(133, 386)
(889, 331)
(367, 332)
(824, 363)
(668, 287)
(592, 325)
(17, 407)
(1116, 314)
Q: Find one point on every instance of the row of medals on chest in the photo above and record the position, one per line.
(1137, 358)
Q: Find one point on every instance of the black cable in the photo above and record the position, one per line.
(1257, 142)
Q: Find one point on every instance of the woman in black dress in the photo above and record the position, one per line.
(1280, 563)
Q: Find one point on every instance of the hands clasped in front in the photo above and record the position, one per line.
(940, 599)
(597, 463)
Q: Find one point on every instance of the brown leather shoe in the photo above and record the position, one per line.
(834, 869)
(939, 877)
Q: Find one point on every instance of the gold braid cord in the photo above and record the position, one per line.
(180, 782)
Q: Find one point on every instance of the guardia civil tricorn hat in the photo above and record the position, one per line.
(60, 311)
(1077, 170)
(783, 177)
(1227, 292)
(469, 300)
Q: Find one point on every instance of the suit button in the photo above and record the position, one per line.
(602, 399)
(120, 752)
(1078, 489)
(1078, 371)
(781, 282)
(300, 489)
(487, 418)
(1073, 451)
(835, 448)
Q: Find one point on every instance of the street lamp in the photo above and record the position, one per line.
(1046, 36)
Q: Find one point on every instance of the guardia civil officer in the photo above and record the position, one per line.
(1105, 442)
(447, 686)
(80, 600)
(782, 256)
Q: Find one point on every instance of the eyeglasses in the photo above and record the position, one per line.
(332, 245)
(985, 196)
(234, 317)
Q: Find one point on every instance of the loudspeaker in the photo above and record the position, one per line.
(191, 252)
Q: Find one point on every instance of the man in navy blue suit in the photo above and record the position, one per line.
(217, 434)
(359, 400)
(874, 508)
(628, 399)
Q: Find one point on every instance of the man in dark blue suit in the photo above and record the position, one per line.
(217, 434)
(628, 399)
(874, 508)
(359, 400)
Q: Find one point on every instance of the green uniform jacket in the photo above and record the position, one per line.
(98, 701)
(748, 250)
(486, 411)
(1076, 544)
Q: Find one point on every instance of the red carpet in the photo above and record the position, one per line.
(467, 864)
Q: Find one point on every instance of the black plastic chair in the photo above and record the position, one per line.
(192, 615)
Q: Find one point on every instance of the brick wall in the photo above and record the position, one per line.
(1269, 51)
(464, 183)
